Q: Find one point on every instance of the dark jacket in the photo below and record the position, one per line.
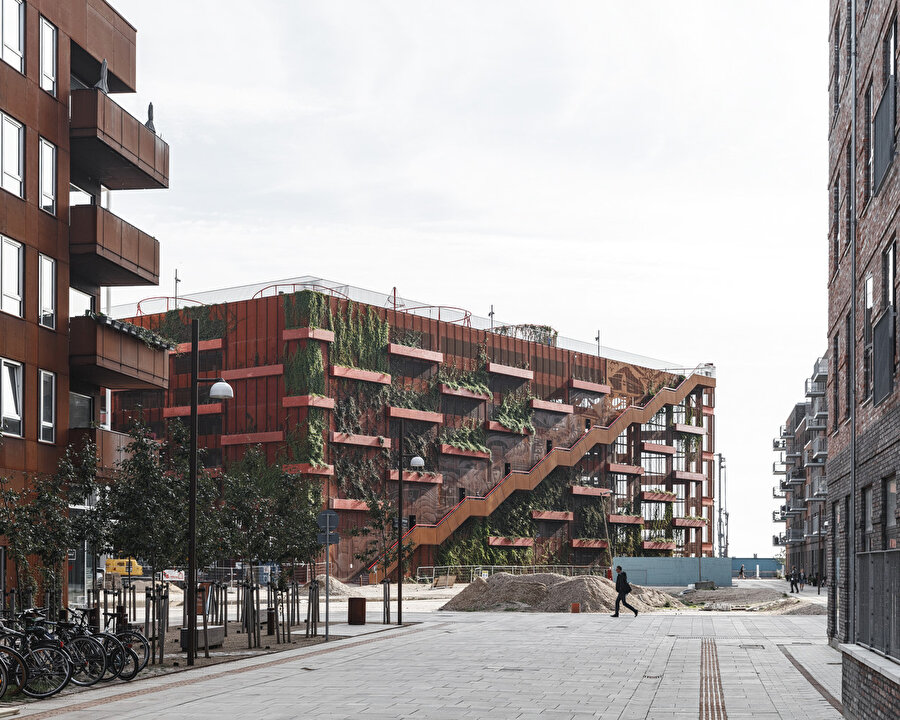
(622, 582)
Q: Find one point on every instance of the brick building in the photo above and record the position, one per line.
(864, 425)
(802, 449)
(65, 146)
(537, 449)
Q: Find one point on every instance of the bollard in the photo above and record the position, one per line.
(576, 607)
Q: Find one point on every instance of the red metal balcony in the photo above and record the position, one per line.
(111, 447)
(107, 353)
(114, 147)
(110, 251)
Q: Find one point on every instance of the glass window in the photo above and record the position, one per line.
(80, 303)
(48, 56)
(890, 503)
(10, 276)
(81, 410)
(48, 406)
(12, 155)
(47, 315)
(867, 510)
(12, 25)
(48, 177)
(10, 397)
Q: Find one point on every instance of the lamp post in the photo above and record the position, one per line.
(220, 390)
(416, 463)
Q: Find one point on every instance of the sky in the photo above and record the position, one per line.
(652, 169)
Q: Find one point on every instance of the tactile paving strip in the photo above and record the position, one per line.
(712, 697)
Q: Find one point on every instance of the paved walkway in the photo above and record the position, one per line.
(510, 665)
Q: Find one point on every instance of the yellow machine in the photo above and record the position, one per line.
(124, 566)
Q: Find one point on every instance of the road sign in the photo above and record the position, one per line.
(331, 538)
(327, 520)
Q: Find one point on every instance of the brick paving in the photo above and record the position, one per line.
(506, 665)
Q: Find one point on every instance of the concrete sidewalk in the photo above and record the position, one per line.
(511, 665)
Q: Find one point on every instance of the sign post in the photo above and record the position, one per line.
(327, 521)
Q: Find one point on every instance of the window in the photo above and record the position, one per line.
(836, 219)
(835, 349)
(870, 145)
(48, 177)
(848, 203)
(12, 27)
(48, 406)
(836, 69)
(11, 272)
(81, 410)
(889, 53)
(867, 518)
(849, 369)
(80, 303)
(890, 503)
(48, 56)
(12, 155)
(47, 310)
(868, 304)
(10, 397)
(889, 275)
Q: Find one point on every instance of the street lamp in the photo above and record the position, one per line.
(416, 463)
(220, 390)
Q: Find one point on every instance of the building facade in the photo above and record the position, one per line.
(536, 449)
(864, 424)
(65, 146)
(800, 466)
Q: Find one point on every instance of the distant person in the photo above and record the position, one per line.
(622, 588)
(741, 573)
(793, 578)
(802, 579)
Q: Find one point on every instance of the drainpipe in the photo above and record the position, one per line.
(851, 356)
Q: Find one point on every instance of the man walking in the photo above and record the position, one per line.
(622, 588)
(793, 578)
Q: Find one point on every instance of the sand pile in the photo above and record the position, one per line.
(337, 588)
(547, 592)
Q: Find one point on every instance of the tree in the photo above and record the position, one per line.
(381, 531)
(16, 526)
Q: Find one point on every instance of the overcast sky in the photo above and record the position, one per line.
(655, 169)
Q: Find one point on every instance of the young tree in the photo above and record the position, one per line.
(16, 526)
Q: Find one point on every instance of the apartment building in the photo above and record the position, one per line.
(802, 448)
(537, 448)
(65, 145)
(864, 423)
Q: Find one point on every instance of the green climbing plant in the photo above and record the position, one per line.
(176, 324)
(306, 308)
(468, 436)
(307, 444)
(304, 371)
(514, 411)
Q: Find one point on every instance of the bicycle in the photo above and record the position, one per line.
(48, 666)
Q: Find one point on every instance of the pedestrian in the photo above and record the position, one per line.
(802, 579)
(793, 578)
(741, 573)
(622, 588)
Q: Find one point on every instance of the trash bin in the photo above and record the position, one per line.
(356, 611)
(270, 621)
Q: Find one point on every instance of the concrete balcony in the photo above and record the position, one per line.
(110, 251)
(820, 370)
(820, 408)
(786, 432)
(811, 459)
(796, 476)
(778, 516)
(817, 422)
(779, 444)
(815, 388)
(107, 353)
(820, 448)
(114, 147)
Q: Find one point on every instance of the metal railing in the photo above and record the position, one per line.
(820, 369)
(797, 476)
(779, 444)
(878, 601)
(815, 388)
(820, 408)
(820, 446)
(794, 536)
(786, 432)
(778, 516)
(816, 422)
(812, 458)
(779, 467)
(466, 573)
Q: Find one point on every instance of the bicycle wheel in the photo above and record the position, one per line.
(49, 670)
(133, 640)
(88, 659)
(4, 680)
(131, 667)
(16, 669)
(115, 655)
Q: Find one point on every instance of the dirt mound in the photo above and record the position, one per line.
(337, 588)
(806, 609)
(547, 592)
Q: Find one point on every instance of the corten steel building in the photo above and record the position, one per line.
(864, 423)
(65, 146)
(597, 450)
(802, 449)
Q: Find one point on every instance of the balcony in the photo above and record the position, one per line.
(113, 147)
(819, 486)
(797, 476)
(820, 370)
(779, 444)
(820, 448)
(111, 447)
(815, 388)
(815, 422)
(793, 536)
(778, 540)
(820, 407)
(778, 493)
(812, 460)
(780, 467)
(115, 355)
(109, 251)
(778, 516)
(794, 508)
(786, 432)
